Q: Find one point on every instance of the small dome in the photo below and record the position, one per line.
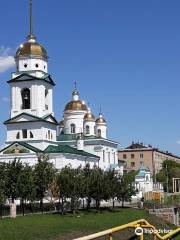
(89, 117)
(100, 120)
(61, 123)
(76, 106)
(31, 49)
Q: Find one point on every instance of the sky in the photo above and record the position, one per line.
(124, 55)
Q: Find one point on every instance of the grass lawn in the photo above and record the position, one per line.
(57, 227)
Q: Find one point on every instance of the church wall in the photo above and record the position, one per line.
(76, 118)
(108, 155)
(39, 105)
(40, 131)
(62, 160)
(92, 130)
(30, 158)
(25, 64)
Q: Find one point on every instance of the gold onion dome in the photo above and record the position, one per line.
(100, 120)
(31, 48)
(75, 104)
(89, 116)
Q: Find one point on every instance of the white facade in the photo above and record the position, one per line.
(33, 127)
(144, 183)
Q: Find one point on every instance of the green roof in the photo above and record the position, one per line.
(36, 117)
(47, 78)
(24, 144)
(67, 149)
(72, 137)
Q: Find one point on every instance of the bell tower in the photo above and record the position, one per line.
(31, 85)
(31, 116)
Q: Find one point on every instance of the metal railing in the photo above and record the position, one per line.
(140, 224)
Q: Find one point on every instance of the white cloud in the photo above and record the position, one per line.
(6, 59)
(178, 141)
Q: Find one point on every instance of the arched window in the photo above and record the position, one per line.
(24, 133)
(99, 132)
(87, 129)
(18, 135)
(49, 134)
(73, 128)
(31, 135)
(46, 99)
(25, 95)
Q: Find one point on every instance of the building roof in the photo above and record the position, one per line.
(72, 137)
(31, 49)
(68, 149)
(142, 171)
(36, 118)
(138, 147)
(24, 144)
(27, 77)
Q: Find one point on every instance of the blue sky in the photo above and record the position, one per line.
(124, 55)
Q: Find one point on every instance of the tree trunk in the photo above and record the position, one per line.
(1, 210)
(62, 206)
(41, 205)
(22, 202)
(83, 203)
(122, 202)
(88, 203)
(113, 203)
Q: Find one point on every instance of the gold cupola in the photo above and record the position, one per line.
(100, 120)
(89, 116)
(31, 48)
(76, 104)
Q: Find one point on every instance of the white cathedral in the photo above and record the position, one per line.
(32, 128)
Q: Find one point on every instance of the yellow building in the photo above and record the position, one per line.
(138, 155)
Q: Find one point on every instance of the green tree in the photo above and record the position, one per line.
(2, 185)
(63, 181)
(13, 173)
(26, 185)
(111, 184)
(125, 188)
(96, 185)
(44, 173)
(170, 169)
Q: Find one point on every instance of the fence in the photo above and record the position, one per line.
(138, 227)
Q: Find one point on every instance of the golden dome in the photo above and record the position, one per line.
(89, 117)
(100, 120)
(75, 106)
(31, 48)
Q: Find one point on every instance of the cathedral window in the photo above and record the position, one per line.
(49, 134)
(24, 133)
(103, 155)
(25, 95)
(46, 99)
(31, 135)
(109, 157)
(18, 135)
(87, 129)
(73, 128)
(99, 132)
